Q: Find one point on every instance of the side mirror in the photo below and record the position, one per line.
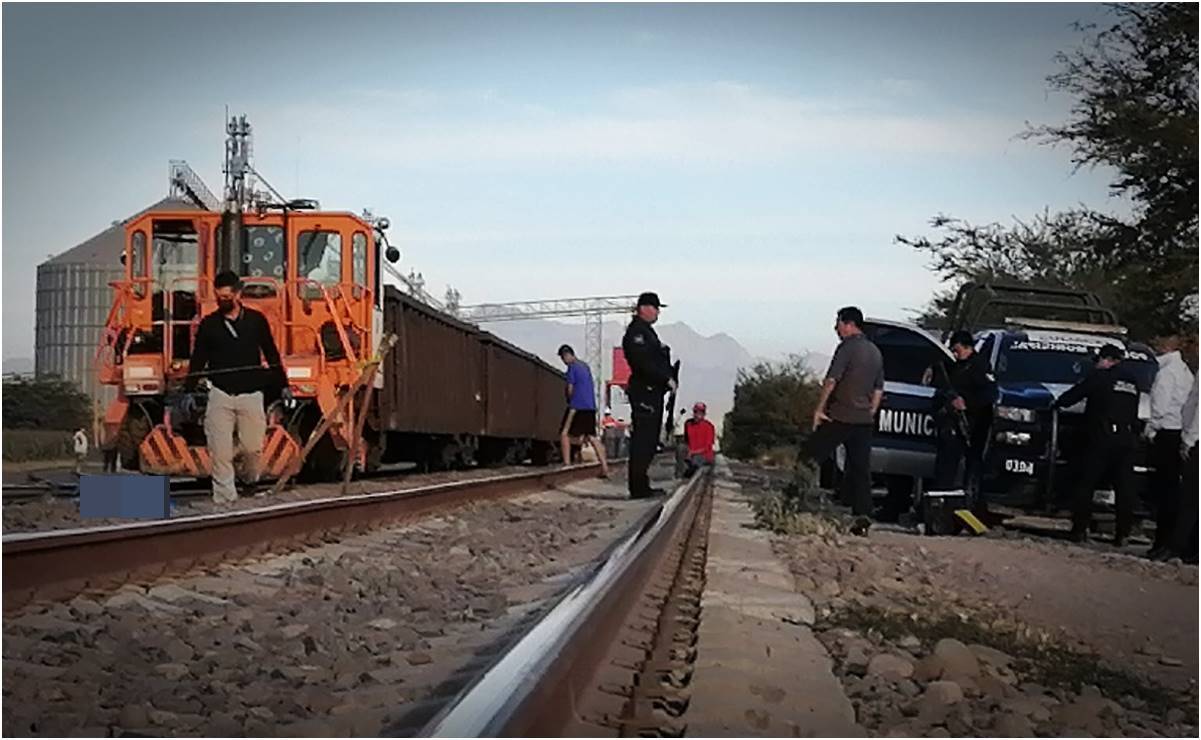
(123, 257)
(392, 254)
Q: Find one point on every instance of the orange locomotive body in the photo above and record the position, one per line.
(451, 395)
(314, 275)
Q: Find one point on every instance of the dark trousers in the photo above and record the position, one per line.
(953, 449)
(1105, 457)
(857, 478)
(1184, 533)
(110, 460)
(647, 416)
(1165, 457)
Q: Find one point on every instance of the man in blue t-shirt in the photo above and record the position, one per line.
(579, 421)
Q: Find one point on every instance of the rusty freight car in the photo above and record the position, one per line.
(453, 395)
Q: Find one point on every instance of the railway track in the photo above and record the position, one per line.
(57, 564)
(614, 656)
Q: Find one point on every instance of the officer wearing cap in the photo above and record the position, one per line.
(650, 378)
(1111, 395)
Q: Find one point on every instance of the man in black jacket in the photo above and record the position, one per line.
(231, 346)
(650, 378)
(965, 398)
(1110, 394)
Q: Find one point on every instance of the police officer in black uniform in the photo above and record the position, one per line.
(1107, 450)
(650, 378)
(965, 398)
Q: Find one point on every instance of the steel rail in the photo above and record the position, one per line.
(538, 686)
(60, 563)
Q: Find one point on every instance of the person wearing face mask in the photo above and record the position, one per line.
(231, 346)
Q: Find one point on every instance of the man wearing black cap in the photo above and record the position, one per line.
(650, 378)
(1110, 394)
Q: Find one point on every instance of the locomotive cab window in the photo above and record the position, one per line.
(358, 262)
(320, 260)
(137, 269)
(263, 257)
(175, 269)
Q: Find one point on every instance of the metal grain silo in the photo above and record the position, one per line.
(73, 300)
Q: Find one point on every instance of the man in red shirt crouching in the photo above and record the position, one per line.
(700, 435)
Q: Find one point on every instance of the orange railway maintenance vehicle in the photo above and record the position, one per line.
(313, 274)
(316, 276)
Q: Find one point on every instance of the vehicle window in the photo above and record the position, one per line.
(358, 255)
(1024, 360)
(137, 250)
(175, 256)
(320, 255)
(907, 354)
(984, 346)
(263, 253)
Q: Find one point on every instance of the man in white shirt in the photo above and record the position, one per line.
(1184, 537)
(1168, 394)
(80, 442)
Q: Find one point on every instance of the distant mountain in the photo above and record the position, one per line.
(17, 365)
(708, 364)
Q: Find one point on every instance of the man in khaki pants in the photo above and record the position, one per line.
(232, 344)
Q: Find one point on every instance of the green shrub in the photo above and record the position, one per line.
(23, 445)
(773, 407)
(45, 403)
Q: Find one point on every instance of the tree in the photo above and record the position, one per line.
(45, 403)
(773, 403)
(1135, 85)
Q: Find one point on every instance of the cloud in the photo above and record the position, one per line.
(720, 123)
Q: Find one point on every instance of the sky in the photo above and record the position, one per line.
(751, 163)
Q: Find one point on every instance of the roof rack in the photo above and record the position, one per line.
(1076, 326)
(974, 299)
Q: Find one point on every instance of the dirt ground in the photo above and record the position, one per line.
(1051, 639)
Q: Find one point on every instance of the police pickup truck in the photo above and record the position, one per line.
(1029, 445)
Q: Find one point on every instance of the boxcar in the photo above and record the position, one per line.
(454, 395)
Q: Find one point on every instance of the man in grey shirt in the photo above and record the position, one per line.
(846, 411)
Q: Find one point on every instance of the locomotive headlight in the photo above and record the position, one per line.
(1013, 413)
(139, 371)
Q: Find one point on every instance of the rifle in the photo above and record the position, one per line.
(669, 427)
(961, 424)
